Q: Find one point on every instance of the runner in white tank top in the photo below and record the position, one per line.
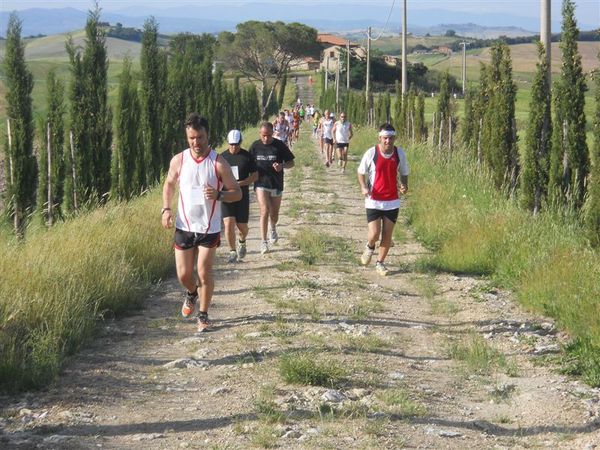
(326, 127)
(342, 131)
(195, 213)
(204, 181)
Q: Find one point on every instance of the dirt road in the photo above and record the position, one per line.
(420, 360)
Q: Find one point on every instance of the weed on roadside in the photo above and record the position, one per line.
(308, 369)
(476, 354)
(398, 402)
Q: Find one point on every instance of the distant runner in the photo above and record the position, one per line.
(342, 133)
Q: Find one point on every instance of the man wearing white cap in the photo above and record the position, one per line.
(236, 214)
(378, 178)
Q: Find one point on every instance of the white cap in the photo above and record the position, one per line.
(234, 137)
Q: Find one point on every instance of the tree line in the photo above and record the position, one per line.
(555, 168)
(88, 152)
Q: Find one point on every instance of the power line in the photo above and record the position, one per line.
(386, 22)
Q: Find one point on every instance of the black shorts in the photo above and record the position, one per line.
(184, 240)
(376, 214)
(342, 145)
(240, 209)
(328, 140)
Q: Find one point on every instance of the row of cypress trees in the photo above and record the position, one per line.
(555, 167)
(80, 162)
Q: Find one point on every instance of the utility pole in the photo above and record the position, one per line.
(368, 64)
(348, 65)
(49, 161)
(404, 71)
(546, 33)
(464, 66)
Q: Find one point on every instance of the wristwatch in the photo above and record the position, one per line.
(162, 211)
(220, 195)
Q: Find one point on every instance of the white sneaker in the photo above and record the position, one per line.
(264, 247)
(273, 236)
(233, 257)
(381, 269)
(365, 259)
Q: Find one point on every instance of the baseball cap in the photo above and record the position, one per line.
(234, 137)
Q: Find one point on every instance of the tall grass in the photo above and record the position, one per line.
(474, 229)
(57, 283)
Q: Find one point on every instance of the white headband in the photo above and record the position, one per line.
(387, 133)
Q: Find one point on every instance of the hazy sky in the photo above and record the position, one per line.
(587, 11)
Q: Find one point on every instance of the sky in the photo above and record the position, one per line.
(586, 10)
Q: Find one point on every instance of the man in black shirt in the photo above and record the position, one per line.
(236, 214)
(271, 156)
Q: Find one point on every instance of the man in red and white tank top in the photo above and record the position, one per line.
(378, 174)
(204, 180)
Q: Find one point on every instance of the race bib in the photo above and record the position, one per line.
(198, 195)
(236, 172)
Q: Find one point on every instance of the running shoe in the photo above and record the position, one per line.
(264, 247)
(326, 163)
(381, 269)
(365, 259)
(273, 236)
(233, 256)
(241, 251)
(189, 304)
(203, 323)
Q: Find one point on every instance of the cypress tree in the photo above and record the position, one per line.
(236, 106)
(152, 88)
(592, 212)
(499, 134)
(420, 126)
(569, 160)
(443, 112)
(536, 163)
(55, 120)
(469, 125)
(127, 157)
(91, 118)
(281, 96)
(480, 105)
(19, 160)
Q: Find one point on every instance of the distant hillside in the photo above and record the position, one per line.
(323, 16)
(53, 47)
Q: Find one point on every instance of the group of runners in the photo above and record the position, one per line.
(214, 189)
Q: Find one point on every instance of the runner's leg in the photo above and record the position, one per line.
(275, 205)
(263, 197)
(386, 238)
(230, 226)
(206, 257)
(184, 263)
(373, 231)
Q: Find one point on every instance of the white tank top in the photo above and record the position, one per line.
(327, 128)
(195, 213)
(280, 131)
(342, 132)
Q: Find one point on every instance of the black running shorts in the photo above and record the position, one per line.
(376, 214)
(328, 140)
(240, 209)
(342, 145)
(184, 240)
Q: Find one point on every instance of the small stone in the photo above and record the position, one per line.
(56, 439)
(186, 363)
(220, 390)
(292, 434)
(396, 376)
(147, 437)
(333, 396)
(546, 349)
(449, 433)
(255, 334)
